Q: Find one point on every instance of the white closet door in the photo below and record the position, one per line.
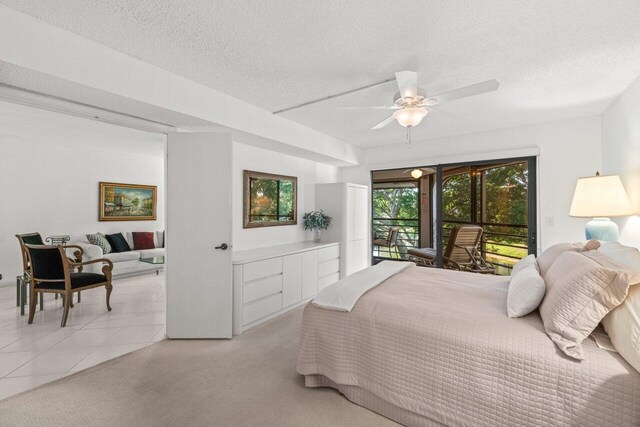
(357, 213)
(309, 274)
(199, 277)
(291, 279)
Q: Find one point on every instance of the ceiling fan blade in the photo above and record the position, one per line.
(384, 122)
(366, 107)
(476, 89)
(407, 83)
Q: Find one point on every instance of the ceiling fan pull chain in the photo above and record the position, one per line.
(409, 136)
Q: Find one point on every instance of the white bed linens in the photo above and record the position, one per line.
(344, 294)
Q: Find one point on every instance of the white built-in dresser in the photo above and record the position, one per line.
(270, 281)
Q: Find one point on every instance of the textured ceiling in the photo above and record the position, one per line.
(555, 59)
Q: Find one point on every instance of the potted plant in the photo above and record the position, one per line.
(316, 221)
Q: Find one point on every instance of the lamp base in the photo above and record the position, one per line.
(602, 229)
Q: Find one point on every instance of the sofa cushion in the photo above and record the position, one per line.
(99, 239)
(143, 240)
(118, 242)
(123, 256)
(150, 253)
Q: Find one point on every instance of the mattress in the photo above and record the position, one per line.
(435, 347)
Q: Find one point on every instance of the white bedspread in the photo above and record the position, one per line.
(344, 294)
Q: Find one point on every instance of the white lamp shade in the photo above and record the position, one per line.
(600, 196)
(410, 116)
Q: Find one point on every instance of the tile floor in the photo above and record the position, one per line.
(35, 354)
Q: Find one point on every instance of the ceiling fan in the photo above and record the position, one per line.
(412, 103)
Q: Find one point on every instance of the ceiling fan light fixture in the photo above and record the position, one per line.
(416, 173)
(410, 116)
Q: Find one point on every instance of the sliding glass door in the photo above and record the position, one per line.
(411, 206)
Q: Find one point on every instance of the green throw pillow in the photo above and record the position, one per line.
(100, 240)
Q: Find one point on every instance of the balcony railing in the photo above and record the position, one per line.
(408, 237)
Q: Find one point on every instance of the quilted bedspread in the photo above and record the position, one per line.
(435, 347)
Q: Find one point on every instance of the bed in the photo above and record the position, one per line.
(434, 347)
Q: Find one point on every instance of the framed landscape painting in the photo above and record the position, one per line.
(127, 202)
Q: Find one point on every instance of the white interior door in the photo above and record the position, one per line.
(198, 276)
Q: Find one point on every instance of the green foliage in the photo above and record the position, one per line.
(271, 200)
(316, 220)
(395, 203)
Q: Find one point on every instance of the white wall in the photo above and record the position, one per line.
(50, 166)
(567, 150)
(309, 174)
(621, 154)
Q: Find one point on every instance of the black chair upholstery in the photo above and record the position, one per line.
(78, 280)
(46, 263)
(32, 239)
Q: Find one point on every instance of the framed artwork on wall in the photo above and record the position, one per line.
(127, 202)
(269, 200)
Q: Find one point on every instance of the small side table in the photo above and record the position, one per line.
(61, 239)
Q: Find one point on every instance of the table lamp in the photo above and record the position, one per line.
(600, 197)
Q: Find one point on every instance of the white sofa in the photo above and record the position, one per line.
(124, 263)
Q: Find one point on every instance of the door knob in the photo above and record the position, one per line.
(223, 246)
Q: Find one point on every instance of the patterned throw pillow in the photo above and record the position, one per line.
(99, 239)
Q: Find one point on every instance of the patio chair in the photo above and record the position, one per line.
(52, 272)
(461, 252)
(390, 242)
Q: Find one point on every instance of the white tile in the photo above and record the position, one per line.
(86, 338)
(12, 386)
(52, 362)
(102, 354)
(111, 321)
(11, 361)
(134, 334)
(149, 318)
(38, 342)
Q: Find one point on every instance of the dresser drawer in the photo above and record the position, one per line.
(325, 254)
(261, 308)
(328, 280)
(261, 288)
(259, 269)
(328, 267)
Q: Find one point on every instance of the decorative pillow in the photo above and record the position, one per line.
(99, 239)
(526, 288)
(524, 263)
(118, 242)
(581, 289)
(143, 240)
(160, 239)
(626, 255)
(549, 255)
(623, 327)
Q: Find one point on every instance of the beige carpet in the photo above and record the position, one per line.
(247, 381)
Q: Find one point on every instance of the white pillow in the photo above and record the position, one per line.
(526, 288)
(623, 326)
(523, 263)
(626, 255)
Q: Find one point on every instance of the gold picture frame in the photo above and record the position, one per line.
(127, 202)
(269, 200)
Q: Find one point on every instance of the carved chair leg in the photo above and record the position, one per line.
(79, 296)
(109, 289)
(33, 297)
(67, 306)
(41, 301)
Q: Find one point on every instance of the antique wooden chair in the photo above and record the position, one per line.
(390, 242)
(36, 239)
(461, 252)
(52, 272)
